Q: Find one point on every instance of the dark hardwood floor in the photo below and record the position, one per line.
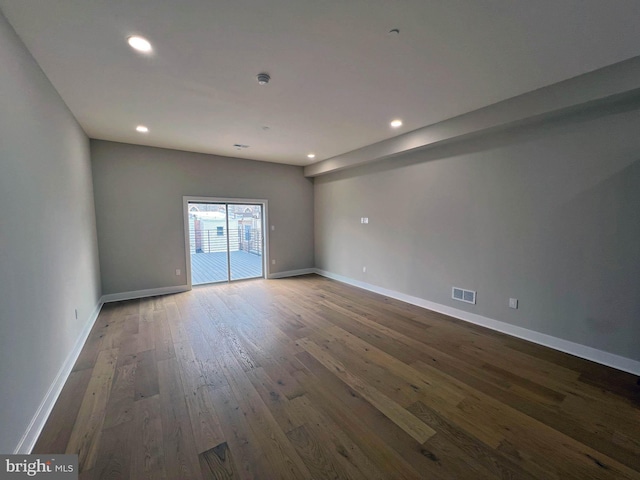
(308, 378)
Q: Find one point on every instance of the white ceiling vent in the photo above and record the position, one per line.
(468, 296)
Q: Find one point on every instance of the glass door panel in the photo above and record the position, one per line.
(245, 241)
(208, 243)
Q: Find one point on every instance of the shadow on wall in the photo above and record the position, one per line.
(598, 272)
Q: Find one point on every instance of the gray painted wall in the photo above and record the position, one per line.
(547, 214)
(48, 247)
(138, 195)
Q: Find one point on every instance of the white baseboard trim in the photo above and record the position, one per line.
(151, 292)
(292, 273)
(589, 353)
(28, 440)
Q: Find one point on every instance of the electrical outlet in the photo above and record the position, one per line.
(513, 303)
(365, 220)
(364, 269)
(177, 271)
(273, 227)
(273, 262)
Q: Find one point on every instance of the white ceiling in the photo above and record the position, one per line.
(338, 77)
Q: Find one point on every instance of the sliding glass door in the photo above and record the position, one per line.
(226, 241)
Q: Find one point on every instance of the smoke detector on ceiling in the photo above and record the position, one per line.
(263, 78)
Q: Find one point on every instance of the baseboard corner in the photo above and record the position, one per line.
(151, 292)
(292, 273)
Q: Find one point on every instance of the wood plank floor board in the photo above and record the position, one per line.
(244, 445)
(278, 451)
(282, 378)
(217, 463)
(605, 378)
(205, 421)
(147, 460)
(89, 354)
(384, 404)
(367, 428)
(401, 391)
(287, 416)
(197, 394)
(146, 333)
(179, 448)
(352, 458)
(416, 377)
(120, 406)
(548, 443)
(119, 330)
(146, 375)
(584, 430)
(320, 462)
(163, 343)
(55, 437)
(370, 335)
(205, 352)
(114, 454)
(309, 378)
(190, 372)
(87, 428)
(468, 446)
(235, 346)
(430, 456)
(176, 325)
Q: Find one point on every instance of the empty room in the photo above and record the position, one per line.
(330, 239)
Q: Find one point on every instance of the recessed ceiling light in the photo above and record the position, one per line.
(142, 129)
(311, 156)
(139, 43)
(396, 123)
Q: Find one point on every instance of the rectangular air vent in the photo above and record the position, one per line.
(468, 296)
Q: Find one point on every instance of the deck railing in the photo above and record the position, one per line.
(214, 240)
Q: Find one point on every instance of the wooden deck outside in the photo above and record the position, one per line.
(212, 267)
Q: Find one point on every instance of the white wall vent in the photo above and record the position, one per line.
(468, 296)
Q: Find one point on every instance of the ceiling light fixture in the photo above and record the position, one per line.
(139, 43)
(396, 123)
(142, 129)
(263, 78)
(311, 156)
